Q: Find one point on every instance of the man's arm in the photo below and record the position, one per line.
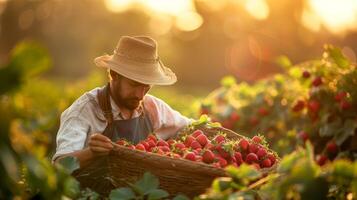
(98, 145)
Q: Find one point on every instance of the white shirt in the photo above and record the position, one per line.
(84, 117)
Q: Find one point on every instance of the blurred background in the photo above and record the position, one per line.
(201, 40)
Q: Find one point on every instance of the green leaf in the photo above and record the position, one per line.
(147, 183)
(71, 187)
(244, 173)
(228, 81)
(181, 197)
(122, 194)
(221, 184)
(283, 61)
(295, 72)
(157, 194)
(337, 55)
(69, 163)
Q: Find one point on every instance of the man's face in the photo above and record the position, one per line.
(128, 93)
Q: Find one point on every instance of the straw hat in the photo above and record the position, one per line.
(136, 58)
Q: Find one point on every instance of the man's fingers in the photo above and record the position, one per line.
(101, 137)
(98, 143)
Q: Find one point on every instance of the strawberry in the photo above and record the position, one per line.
(223, 152)
(151, 143)
(189, 139)
(140, 147)
(175, 155)
(313, 106)
(146, 145)
(122, 142)
(162, 143)
(196, 133)
(317, 81)
(164, 148)
(195, 145)
(303, 135)
(190, 156)
(234, 116)
(345, 105)
(340, 95)
(306, 74)
(130, 146)
(251, 158)
(321, 160)
(272, 158)
(244, 144)
(171, 142)
(265, 163)
(263, 111)
(202, 139)
(198, 158)
(332, 147)
(219, 138)
(180, 146)
(222, 162)
(253, 121)
(216, 164)
(261, 153)
(257, 139)
(299, 105)
(209, 146)
(208, 156)
(238, 157)
(253, 148)
(152, 137)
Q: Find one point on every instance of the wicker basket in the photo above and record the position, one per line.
(177, 176)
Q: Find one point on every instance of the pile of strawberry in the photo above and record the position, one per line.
(217, 151)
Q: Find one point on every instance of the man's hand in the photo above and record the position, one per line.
(99, 144)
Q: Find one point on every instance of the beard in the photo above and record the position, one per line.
(128, 103)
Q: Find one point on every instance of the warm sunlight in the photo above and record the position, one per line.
(259, 9)
(336, 16)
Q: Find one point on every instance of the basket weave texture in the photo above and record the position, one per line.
(177, 176)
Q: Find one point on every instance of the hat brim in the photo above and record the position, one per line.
(150, 74)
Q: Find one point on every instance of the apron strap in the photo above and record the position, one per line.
(104, 103)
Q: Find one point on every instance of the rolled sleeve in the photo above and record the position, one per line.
(71, 136)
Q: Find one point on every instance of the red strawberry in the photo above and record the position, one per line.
(189, 139)
(216, 164)
(208, 156)
(234, 116)
(244, 144)
(303, 135)
(164, 148)
(238, 157)
(306, 74)
(204, 111)
(219, 138)
(222, 162)
(253, 121)
(195, 145)
(202, 139)
(121, 142)
(300, 104)
(146, 145)
(313, 106)
(321, 159)
(151, 143)
(162, 143)
(265, 163)
(272, 158)
(317, 81)
(251, 158)
(340, 95)
(130, 146)
(152, 137)
(261, 153)
(257, 139)
(171, 142)
(180, 146)
(222, 151)
(263, 111)
(253, 148)
(332, 147)
(190, 156)
(140, 147)
(175, 155)
(345, 105)
(209, 146)
(196, 133)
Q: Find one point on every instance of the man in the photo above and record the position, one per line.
(122, 108)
